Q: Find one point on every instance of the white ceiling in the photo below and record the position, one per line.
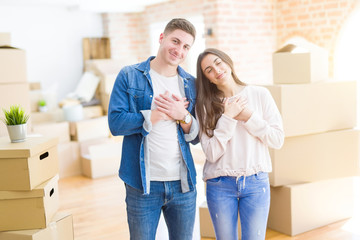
(99, 6)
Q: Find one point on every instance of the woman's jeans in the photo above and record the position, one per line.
(143, 211)
(249, 196)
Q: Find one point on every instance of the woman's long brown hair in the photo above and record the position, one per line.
(209, 100)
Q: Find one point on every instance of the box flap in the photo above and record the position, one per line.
(30, 147)
(292, 48)
(39, 191)
(9, 47)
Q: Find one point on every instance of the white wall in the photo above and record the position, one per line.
(52, 39)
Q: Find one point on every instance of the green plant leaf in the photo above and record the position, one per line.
(15, 116)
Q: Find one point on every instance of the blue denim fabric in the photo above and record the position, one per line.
(228, 196)
(144, 211)
(132, 93)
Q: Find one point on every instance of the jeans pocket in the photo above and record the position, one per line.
(213, 180)
(262, 176)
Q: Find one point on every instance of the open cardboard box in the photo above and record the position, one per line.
(100, 157)
(300, 64)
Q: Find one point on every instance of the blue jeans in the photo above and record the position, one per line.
(249, 196)
(143, 211)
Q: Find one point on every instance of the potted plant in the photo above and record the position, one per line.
(15, 121)
(42, 106)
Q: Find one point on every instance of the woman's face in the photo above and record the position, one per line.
(215, 69)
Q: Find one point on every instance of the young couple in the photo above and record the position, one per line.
(154, 104)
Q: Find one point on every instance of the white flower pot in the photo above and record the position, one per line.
(17, 133)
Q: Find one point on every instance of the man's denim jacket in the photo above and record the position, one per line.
(129, 115)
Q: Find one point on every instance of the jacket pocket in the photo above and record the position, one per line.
(136, 99)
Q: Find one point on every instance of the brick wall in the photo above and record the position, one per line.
(249, 31)
(318, 21)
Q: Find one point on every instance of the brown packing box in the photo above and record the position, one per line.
(107, 83)
(25, 165)
(56, 115)
(198, 154)
(105, 100)
(69, 159)
(5, 39)
(316, 107)
(100, 157)
(93, 112)
(13, 94)
(21, 210)
(89, 129)
(316, 157)
(60, 228)
(300, 64)
(13, 65)
(299, 208)
(33, 86)
(60, 130)
(206, 226)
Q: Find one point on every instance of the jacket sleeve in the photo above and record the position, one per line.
(268, 127)
(123, 121)
(215, 147)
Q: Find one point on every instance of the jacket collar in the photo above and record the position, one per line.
(145, 68)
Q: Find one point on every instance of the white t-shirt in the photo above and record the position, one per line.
(164, 149)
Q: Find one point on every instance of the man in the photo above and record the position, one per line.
(152, 105)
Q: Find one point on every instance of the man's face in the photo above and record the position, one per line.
(175, 46)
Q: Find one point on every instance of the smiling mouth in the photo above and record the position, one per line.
(174, 55)
(220, 75)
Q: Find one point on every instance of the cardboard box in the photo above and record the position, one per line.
(21, 210)
(25, 165)
(14, 94)
(92, 112)
(60, 228)
(299, 208)
(316, 107)
(100, 157)
(300, 64)
(198, 154)
(33, 86)
(69, 159)
(107, 83)
(105, 100)
(56, 115)
(206, 226)
(60, 130)
(5, 39)
(89, 129)
(13, 65)
(316, 157)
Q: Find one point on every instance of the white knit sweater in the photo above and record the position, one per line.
(241, 148)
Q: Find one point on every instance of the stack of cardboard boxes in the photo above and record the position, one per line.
(14, 88)
(311, 182)
(29, 170)
(29, 195)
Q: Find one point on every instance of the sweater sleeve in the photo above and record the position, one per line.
(268, 127)
(215, 147)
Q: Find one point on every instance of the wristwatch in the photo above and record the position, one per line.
(187, 118)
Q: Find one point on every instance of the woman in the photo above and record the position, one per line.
(238, 123)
